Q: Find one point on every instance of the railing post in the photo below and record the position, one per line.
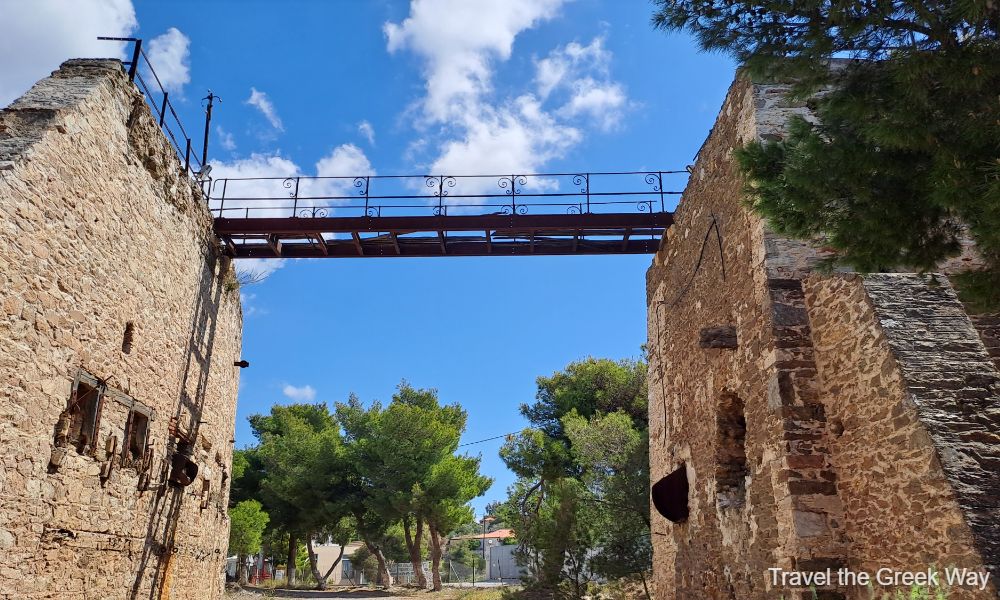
(367, 184)
(187, 156)
(586, 179)
(440, 195)
(222, 202)
(513, 211)
(295, 200)
(659, 177)
(136, 53)
(163, 108)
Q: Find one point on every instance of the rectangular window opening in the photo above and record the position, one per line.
(136, 436)
(85, 413)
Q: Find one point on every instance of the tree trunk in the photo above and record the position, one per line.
(314, 564)
(293, 550)
(435, 557)
(241, 569)
(383, 569)
(413, 546)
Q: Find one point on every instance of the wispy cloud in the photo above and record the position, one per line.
(261, 102)
(304, 393)
(225, 139)
(480, 130)
(250, 308)
(170, 55)
(367, 131)
(345, 160)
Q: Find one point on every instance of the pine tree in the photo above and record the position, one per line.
(905, 158)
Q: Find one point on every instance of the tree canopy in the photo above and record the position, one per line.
(904, 161)
(580, 505)
(384, 475)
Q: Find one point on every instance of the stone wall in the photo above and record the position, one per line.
(913, 403)
(720, 269)
(110, 284)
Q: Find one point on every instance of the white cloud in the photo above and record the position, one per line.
(261, 102)
(250, 308)
(365, 129)
(518, 138)
(36, 36)
(459, 40)
(603, 102)
(304, 393)
(267, 180)
(568, 62)
(225, 139)
(169, 54)
(476, 129)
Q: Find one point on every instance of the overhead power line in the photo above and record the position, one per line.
(487, 439)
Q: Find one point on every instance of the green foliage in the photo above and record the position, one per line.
(614, 459)
(580, 506)
(904, 159)
(247, 523)
(387, 466)
(248, 470)
(589, 386)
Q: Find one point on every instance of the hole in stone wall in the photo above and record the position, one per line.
(136, 435)
(84, 409)
(670, 495)
(730, 452)
(128, 337)
(206, 492)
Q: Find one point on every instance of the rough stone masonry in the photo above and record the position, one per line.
(803, 421)
(119, 328)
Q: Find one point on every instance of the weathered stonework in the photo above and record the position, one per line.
(101, 231)
(851, 437)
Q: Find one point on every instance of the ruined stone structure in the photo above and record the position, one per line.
(808, 421)
(119, 328)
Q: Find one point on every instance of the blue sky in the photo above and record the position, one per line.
(401, 87)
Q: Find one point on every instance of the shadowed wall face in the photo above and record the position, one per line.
(819, 421)
(119, 325)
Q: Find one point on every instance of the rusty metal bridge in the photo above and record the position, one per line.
(441, 215)
(418, 215)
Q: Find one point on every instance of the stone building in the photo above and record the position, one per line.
(807, 421)
(119, 328)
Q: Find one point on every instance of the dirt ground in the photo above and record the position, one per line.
(363, 593)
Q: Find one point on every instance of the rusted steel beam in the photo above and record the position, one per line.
(431, 246)
(357, 243)
(497, 223)
(274, 244)
(321, 244)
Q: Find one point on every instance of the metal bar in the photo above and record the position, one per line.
(498, 223)
(163, 108)
(357, 243)
(659, 177)
(187, 159)
(430, 247)
(321, 244)
(134, 66)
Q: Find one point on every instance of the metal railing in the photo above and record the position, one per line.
(444, 195)
(159, 102)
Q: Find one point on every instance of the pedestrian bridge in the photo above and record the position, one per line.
(372, 216)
